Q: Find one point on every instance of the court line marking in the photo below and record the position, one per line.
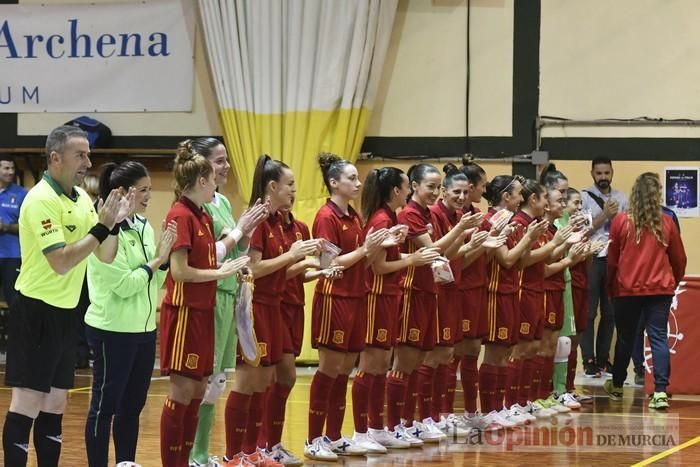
(667, 452)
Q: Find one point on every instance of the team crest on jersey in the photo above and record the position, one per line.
(381, 335)
(414, 335)
(345, 227)
(524, 328)
(262, 349)
(192, 361)
(503, 333)
(271, 235)
(338, 337)
(466, 325)
(200, 233)
(552, 317)
(446, 334)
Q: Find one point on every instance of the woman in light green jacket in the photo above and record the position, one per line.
(120, 322)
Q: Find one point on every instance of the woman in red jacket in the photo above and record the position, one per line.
(646, 261)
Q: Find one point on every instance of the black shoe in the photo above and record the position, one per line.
(590, 369)
(606, 369)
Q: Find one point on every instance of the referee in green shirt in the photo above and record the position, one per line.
(58, 230)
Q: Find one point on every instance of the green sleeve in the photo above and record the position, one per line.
(118, 276)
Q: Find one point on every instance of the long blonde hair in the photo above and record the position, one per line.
(645, 206)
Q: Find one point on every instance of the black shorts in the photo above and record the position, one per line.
(41, 346)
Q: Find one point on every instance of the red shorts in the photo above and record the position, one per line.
(292, 328)
(503, 318)
(418, 323)
(338, 323)
(186, 341)
(382, 320)
(580, 299)
(473, 304)
(531, 314)
(449, 317)
(268, 325)
(554, 309)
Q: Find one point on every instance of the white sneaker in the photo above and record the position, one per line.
(523, 412)
(284, 457)
(346, 447)
(319, 450)
(477, 421)
(424, 433)
(454, 426)
(134, 464)
(568, 400)
(512, 416)
(368, 444)
(540, 411)
(388, 439)
(403, 433)
(555, 405)
(495, 417)
(435, 428)
(582, 398)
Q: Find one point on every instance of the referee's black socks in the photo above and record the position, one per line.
(15, 439)
(47, 438)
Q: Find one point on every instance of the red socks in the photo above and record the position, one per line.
(336, 407)
(526, 375)
(319, 394)
(538, 368)
(236, 422)
(255, 414)
(425, 389)
(375, 415)
(501, 393)
(273, 415)
(396, 385)
(361, 388)
(546, 380)
(488, 387)
(469, 374)
(189, 430)
(408, 412)
(439, 391)
(448, 403)
(513, 370)
(172, 421)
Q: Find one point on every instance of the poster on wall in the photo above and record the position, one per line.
(681, 191)
(126, 57)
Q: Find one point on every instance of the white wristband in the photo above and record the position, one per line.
(236, 234)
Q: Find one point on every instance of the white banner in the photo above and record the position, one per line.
(127, 57)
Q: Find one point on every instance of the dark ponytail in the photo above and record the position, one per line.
(124, 175)
(417, 173)
(331, 167)
(377, 190)
(550, 176)
(530, 187)
(452, 174)
(496, 187)
(205, 146)
(266, 171)
(473, 171)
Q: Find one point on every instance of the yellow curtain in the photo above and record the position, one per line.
(295, 78)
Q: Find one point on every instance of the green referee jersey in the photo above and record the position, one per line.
(220, 211)
(50, 219)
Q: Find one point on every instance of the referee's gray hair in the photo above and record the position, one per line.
(56, 140)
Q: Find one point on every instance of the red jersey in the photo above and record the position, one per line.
(502, 280)
(268, 238)
(384, 284)
(647, 267)
(532, 277)
(579, 275)
(419, 221)
(195, 232)
(293, 231)
(345, 232)
(445, 221)
(556, 281)
(474, 276)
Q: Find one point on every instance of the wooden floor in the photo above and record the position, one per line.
(630, 414)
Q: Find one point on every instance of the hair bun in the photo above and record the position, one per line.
(449, 167)
(326, 159)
